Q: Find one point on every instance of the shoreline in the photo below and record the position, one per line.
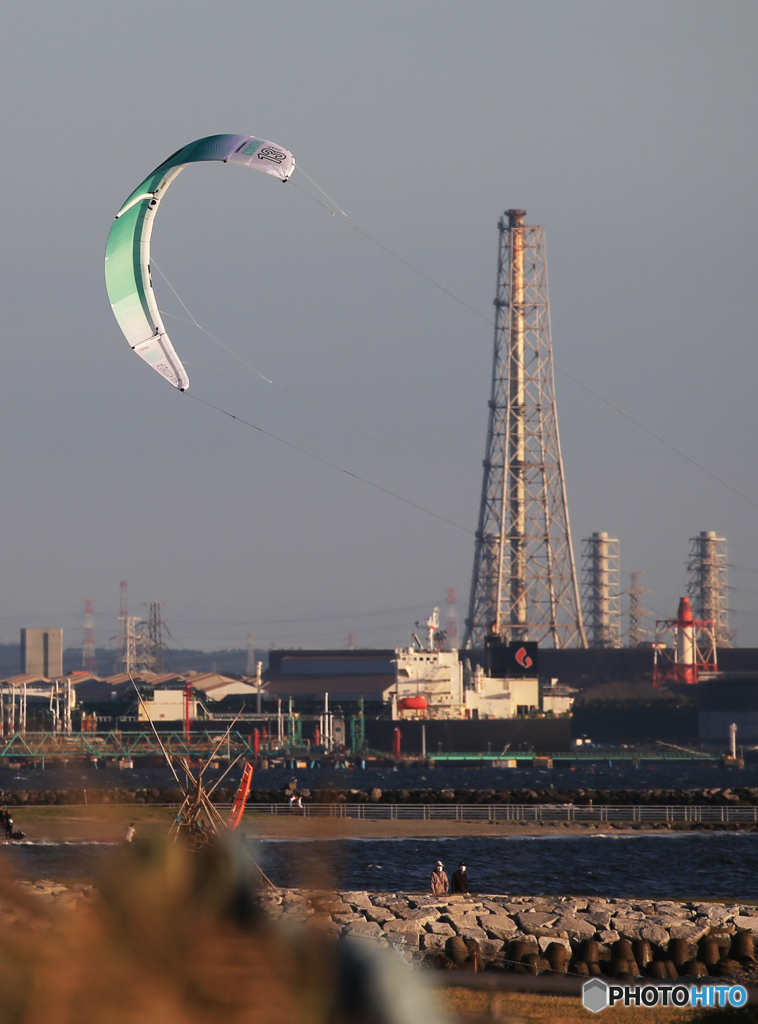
(107, 822)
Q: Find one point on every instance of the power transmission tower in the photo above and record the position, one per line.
(89, 661)
(707, 585)
(153, 644)
(131, 657)
(636, 613)
(524, 583)
(250, 669)
(601, 590)
(122, 617)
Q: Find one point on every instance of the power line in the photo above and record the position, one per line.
(657, 437)
(326, 462)
(351, 222)
(611, 405)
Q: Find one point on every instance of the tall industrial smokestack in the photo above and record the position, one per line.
(685, 643)
(684, 647)
(524, 584)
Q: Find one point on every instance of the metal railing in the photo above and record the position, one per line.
(482, 812)
(515, 812)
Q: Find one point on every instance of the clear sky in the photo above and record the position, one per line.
(628, 131)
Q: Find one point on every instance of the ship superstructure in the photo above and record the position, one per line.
(431, 683)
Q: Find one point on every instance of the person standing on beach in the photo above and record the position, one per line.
(438, 883)
(460, 880)
(8, 825)
(131, 834)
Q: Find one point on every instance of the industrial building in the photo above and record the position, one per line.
(42, 652)
(166, 689)
(367, 675)
(52, 703)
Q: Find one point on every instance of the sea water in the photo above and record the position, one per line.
(692, 865)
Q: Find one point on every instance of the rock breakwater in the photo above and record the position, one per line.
(524, 934)
(536, 934)
(736, 796)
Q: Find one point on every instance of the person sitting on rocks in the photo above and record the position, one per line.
(439, 880)
(460, 879)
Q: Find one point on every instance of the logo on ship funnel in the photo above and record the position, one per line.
(522, 658)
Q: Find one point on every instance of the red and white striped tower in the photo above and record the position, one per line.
(89, 662)
(683, 648)
(685, 643)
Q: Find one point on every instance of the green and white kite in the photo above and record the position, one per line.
(127, 254)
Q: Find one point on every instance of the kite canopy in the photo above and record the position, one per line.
(127, 254)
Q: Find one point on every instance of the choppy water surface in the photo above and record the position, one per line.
(691, 865)
(687, 866)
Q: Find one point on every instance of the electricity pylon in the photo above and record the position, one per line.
(636, 612)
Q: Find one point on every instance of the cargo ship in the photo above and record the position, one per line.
(440, 700)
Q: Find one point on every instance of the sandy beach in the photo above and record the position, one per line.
(108, 823)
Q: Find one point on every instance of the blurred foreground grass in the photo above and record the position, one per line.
(172, 937)
(176, 938)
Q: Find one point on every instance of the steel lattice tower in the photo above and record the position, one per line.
(89, 661)
(122, 617)
(131, 658)
(636, 612)
(707, 585)
(524, 583)
(601, 590)
(153, 643)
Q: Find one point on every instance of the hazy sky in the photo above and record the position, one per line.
(627, 130)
